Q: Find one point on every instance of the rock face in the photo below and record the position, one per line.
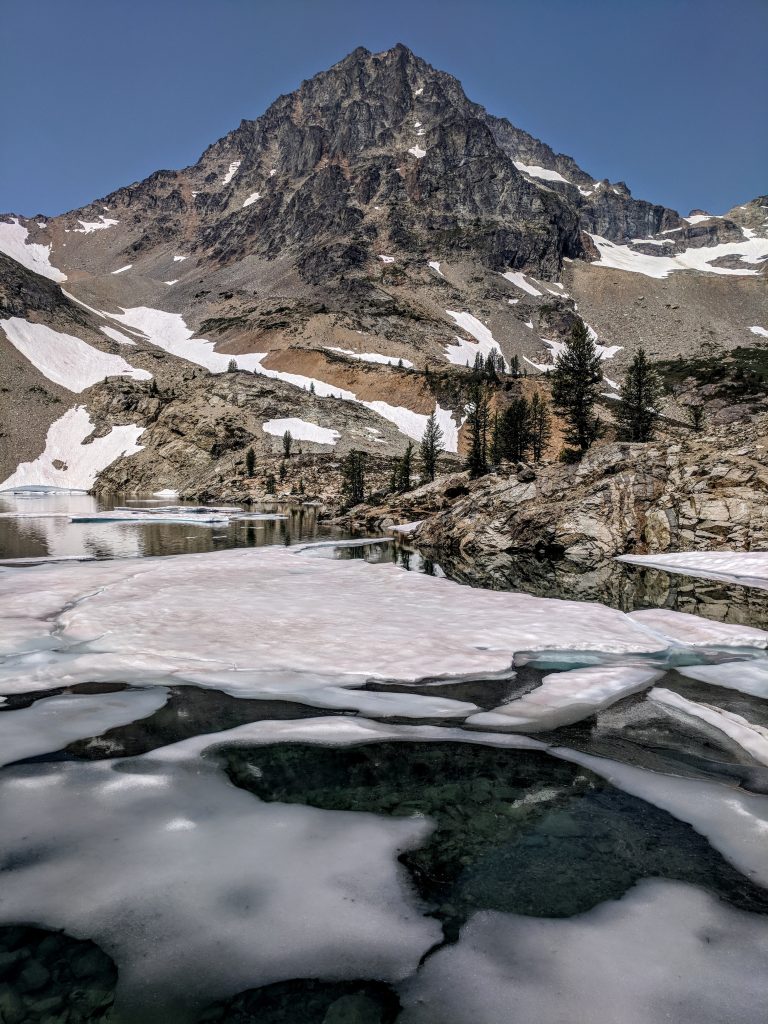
(621, 498)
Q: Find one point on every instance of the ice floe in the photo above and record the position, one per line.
(67, 461)
(750, 737)
(65, 359)
(656, 955)
(188, 514)
(140, 852)
(301, 430)
(13, 242)
(244, 614)
(748, 568)
(53, 722)
(567, 697)
(693, 631)
(745, 676)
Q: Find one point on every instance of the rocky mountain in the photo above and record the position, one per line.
(330, 268)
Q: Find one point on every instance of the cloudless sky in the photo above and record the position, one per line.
(667, 95)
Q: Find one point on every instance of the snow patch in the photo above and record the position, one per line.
(371, 357)
(122, 270)
(517, 278)
(541, 172)
(79, 463)
(234, 167)
(622, 257)
(89, 226)
(461, 351)
(301, 430)
(65, 359)
(418, 152)
(13, 242)
(252, 198)
(761, 331)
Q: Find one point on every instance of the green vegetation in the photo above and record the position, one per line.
(640, 396)
(742, 371)
(353, 477)
(430, 448)
(576, 381)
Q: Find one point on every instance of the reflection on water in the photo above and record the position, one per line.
(37, 525)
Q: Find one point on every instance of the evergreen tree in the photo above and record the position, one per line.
(430, 448)
(696, 416)
(517, 429)
(283, 472)
(311, 387)
(540, 425)
(270, 484)
(232, 366)
(478, 369)
(353, 477)
(514, 366)
(576, 381)
(401, 474)
(250, 462)
(490, 367)
(287, 442)
(498, 440)
(477, 417)
(640, 398)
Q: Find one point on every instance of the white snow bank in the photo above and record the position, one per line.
(301, 430)
(761, 331)
(179, 259)
(50, 724)
(748, 568)
(418, 152)
(252, 198)
(89, 226)
(371, 357)
(692, 631)
(665, 951)
(13, 242)
(558, 347)
(567, 697)
(167, 492)
(518, 279)
(413, 424)
(234, 167)
(699, 218)
(122, 270)
(750, 737)
(621, 257)
(118, 336)
(541, 172)
(387, 259)
(169, 332)
(461, 351)
(746, 676)
(65, 359)
(436, 267)
(79, 463)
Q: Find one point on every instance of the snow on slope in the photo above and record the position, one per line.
(301, 430)
(89, 226)
(621, 257)
(541, 172)
(13, 242)
(371, 357)
(234, 167)
(517, 278)
(117, 336)
(64, 359)
(80, 463)
(169, 332)
(461, 351)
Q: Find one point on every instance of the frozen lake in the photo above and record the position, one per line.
(271, 778)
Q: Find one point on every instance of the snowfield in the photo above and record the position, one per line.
(78, 463)
(13, 242)
(301, 430)
(65, 359)
(621, 257)
(462, 351)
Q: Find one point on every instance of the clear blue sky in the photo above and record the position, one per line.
(668, 95)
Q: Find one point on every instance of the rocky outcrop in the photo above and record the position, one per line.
(693, 495)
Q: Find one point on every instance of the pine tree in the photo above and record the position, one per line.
(270, 484)
(353, 477)
(250, 462)
(640, 398)
(696, 416)
(287, 442)
(498, 440)
(283, 472)
(490, 367)
(540, 425)
(430, 448)
(232, 366)
(514, 366)
(311, 387)
(401, 474)
(477, 417)
(517, 429)
(576, 381)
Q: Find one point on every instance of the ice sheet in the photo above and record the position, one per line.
(664, 952)
(749, 568)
